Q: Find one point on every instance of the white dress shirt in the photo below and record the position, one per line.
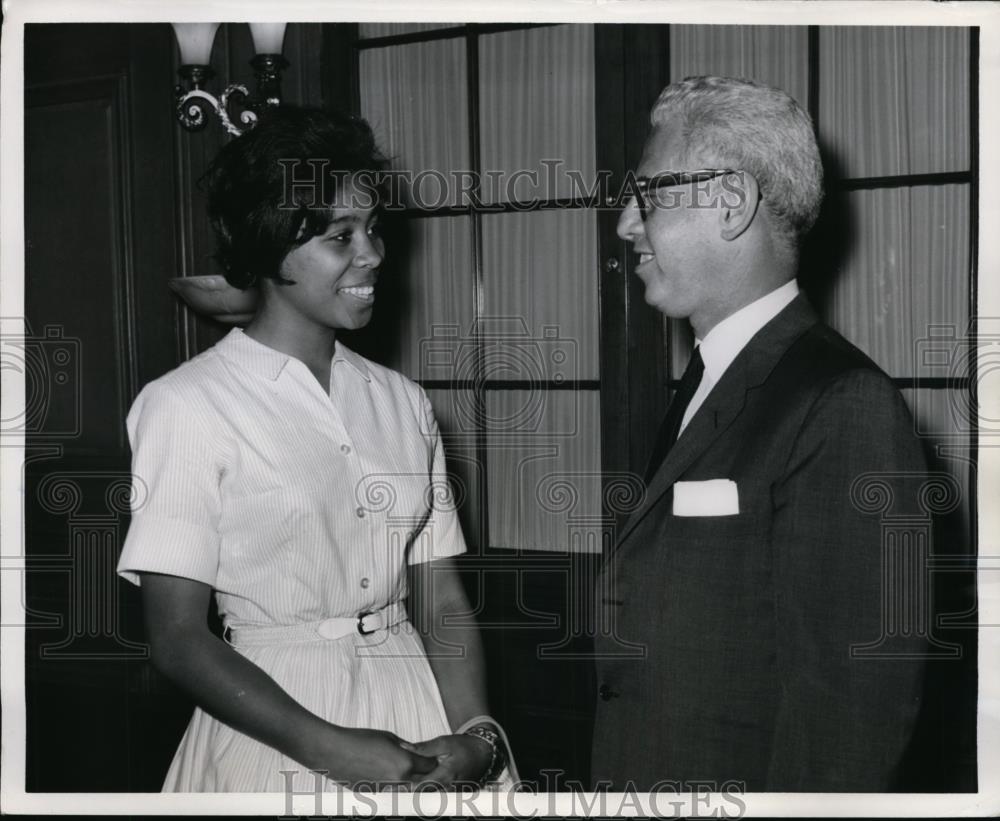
(294, 504)
(724, 342)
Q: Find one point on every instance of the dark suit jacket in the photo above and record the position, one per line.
(745, 623)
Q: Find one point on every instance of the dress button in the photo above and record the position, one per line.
(345, 448)
(365, 582)
(360, 512)
(606, 693)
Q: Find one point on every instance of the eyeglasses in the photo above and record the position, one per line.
(644, 186)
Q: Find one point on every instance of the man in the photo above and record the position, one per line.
(752, 568)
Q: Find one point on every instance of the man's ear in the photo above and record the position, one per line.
(738, 203)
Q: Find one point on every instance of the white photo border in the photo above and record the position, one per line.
(17, 13)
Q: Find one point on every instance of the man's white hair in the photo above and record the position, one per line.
(747, 126)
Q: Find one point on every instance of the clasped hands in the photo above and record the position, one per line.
(377, 760)
(458, 759)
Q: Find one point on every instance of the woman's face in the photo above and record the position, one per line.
(334, 272)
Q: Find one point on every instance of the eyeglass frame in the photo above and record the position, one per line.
(668, 179)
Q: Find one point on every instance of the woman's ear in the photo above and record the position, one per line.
(738, 203)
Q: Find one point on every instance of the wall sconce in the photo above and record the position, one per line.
(195, 105)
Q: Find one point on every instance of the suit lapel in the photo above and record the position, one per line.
(726, 401)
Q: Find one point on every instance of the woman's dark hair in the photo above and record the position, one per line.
(257, 215)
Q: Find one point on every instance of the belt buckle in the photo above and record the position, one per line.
(361, 627)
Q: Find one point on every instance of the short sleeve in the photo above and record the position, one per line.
(441, 535)
(175, 490)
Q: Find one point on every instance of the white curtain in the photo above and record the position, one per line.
(432, 274)
(775, 55)
(541, 268)
(544, 467)
(536, 102)
(906, 267)
(415, 98)
(540, 273)
(895, 100)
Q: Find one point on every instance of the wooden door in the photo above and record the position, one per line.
(99, 323)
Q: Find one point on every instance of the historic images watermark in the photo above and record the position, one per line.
(315, 183)
(552, 795)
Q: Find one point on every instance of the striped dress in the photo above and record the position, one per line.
(295, 506)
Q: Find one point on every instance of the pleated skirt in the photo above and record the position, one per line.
(381, 682)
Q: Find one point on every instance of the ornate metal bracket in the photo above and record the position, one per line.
(195, 105)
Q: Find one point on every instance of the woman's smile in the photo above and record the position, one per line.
(363, 293)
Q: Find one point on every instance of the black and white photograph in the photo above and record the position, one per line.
(565, 409)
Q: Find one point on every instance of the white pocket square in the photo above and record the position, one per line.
(713, 497)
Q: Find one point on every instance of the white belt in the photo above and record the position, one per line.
(326, 630)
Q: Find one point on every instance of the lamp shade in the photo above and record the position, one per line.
(212, 296)
(195, 41)
(267, 37)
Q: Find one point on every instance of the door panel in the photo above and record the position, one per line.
(100, 244)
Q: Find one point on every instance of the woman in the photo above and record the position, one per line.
(305, 486)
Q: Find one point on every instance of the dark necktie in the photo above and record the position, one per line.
(675, 413)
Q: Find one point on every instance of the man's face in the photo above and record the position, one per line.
(677, 241)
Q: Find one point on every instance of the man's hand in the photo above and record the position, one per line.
(461, 759)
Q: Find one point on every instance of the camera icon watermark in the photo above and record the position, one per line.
(948, 353)
(502, 353)
(50, 364)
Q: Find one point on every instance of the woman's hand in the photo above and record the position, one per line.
(460, 759)
(374, 758)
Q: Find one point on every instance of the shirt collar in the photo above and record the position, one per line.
(341, 353)
(258, 358)
(724, 342)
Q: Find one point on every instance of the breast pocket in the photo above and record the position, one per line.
(711, 562)
(714, 512)
(712, 529)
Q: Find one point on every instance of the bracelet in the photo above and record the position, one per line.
(497, 757)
